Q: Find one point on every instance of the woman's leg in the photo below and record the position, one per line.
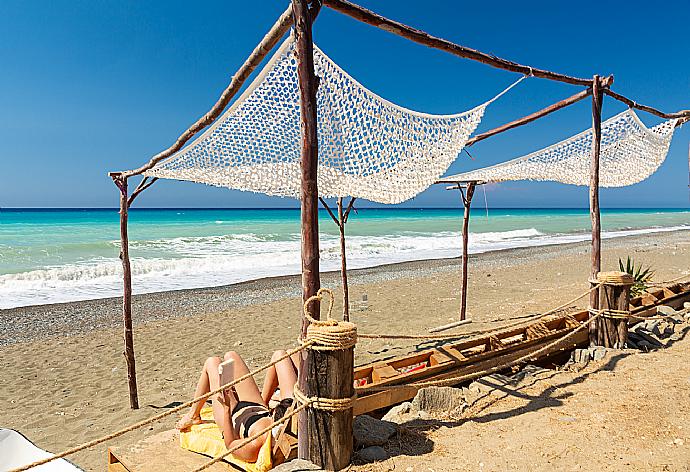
(208, 380)
(271, 380)
(247, 390)
(286, 372)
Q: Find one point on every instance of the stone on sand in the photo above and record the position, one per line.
(369, 431)
(296, 465)
(372, 454)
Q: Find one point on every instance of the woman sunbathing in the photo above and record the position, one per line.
(242, 410)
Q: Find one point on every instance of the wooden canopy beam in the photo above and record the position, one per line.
(532, 116)
(683, 115)
(374, 19)
(259, 53)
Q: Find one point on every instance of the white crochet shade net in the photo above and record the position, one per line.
(368, 147)
(630, 153)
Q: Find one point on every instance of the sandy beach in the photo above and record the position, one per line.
(64, 377)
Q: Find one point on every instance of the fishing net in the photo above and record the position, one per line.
(630, 152)
(368, 147)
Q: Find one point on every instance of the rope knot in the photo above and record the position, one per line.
(328, 334)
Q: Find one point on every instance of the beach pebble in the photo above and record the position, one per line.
(372, 454)
(665, 310)
(369, 431)
(296, 465)
(398, 413)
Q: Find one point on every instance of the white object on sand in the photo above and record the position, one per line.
(16, 451)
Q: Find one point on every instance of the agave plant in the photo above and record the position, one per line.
(641, 275)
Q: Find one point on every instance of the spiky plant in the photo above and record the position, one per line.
(641, 275)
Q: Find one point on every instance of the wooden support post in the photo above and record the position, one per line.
(325, 437)
(127, 295)
(466, 201)
(594, 213)
(308, 84)
(343, 260)
(614, 294)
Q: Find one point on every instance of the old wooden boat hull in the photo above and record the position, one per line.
(466, 357)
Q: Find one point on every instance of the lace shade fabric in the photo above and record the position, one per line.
(368, 147)
(630, 153)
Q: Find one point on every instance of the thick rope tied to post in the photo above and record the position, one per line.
(326, 404)
(328, 334)
(614, 278)
(610, 313)
(160, 416)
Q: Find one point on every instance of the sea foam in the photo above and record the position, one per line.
(206, 261)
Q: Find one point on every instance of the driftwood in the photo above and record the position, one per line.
(374, 19)
(594, 213)
(454, 324)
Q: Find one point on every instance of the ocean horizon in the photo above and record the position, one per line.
(51, 255)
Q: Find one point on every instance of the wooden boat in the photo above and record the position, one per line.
(485, 352)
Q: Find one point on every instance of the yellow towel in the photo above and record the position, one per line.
(206, 438)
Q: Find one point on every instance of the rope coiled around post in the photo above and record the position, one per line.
(611, 313)
(325, 404)
(328, 334)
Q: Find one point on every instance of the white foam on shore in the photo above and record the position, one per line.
(221, 260)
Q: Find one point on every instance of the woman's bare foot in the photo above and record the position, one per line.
(187, 421)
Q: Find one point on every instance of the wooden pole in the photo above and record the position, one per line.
(309, 196)
(682, 115)
(343, 261)
(467, 202)
(533, 116)
(369, 17)
(325, 437)
(594, 212)
(612, 331)
(127, 295)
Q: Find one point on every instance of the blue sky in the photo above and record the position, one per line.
(92, 86)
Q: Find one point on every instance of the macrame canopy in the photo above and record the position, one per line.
(368, 147)
(630, 153)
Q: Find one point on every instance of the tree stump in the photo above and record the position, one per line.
(611, 329)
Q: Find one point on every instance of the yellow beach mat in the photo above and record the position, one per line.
(206, 438)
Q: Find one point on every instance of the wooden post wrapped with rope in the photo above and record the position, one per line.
(611, 328)
(326, 380)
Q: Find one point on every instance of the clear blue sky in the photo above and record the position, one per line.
(92, 86)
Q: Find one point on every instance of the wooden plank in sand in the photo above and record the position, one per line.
(161, 451)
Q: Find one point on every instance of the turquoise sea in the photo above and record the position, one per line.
(49, 256)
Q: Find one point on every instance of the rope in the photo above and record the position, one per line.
(159, 416)
(251, 438)
(659, 284)
(488, 330)
(326, 404)
(614, 278)
(328, 334)
(456, 380)
(610, 313)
